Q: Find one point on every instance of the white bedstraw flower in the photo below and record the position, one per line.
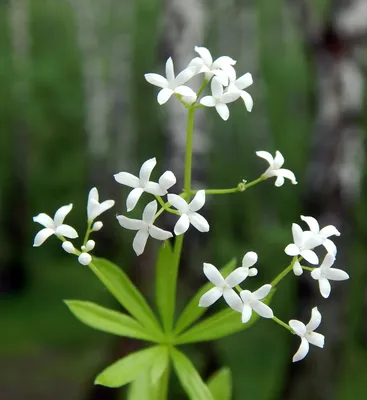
(97, 226)
(54, 226)
(325, 273)
(307, 334)
(142, 184)
(172, 84)
(188, 213)
(219, 99)
(221, 67)
(238, 85)
(324, 233)
(303, 243)
(251, 301)
(94, 208)
(275, 169)
(249, 259)
(223, 287)
(144, 227)
(68, 247)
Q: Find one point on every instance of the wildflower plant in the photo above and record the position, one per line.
(148, 370)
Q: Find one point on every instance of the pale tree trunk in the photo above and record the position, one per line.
(15, 214)
(334, 177)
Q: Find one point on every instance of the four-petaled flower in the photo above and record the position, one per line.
(94, 208)
(251, 301)
(238, 85)
(307, 334)
(188, 212)
(172, 84)
(223, 287)
(54, 226)
(144, 227)
(324, 273)
(275, 169)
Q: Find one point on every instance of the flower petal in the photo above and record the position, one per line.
(199, 222)
(170, 71)
(223, 62)
(236, 277)
(278, 160)
(246, 313)
(158, 233)
(328, 262)
(232, 299)
(262, 292)
(217, 88)
(42, 235)
(125, 178)
(297, 269)
(198, 201)
(155, 188)
(67, 231)
(93, 209)
(336, 274)
(310, 256)
(280, 179)
(292, 250)
(178, 202)
(316, 339)
(330, 247)
(325, 287)
(182, 225)
(149, 212)
(315, 320)
(186, 91)
(133, 198)
(185, 75)
(130, 223)
(93, 194)
(140, 240)
(146, 170)
(208, 101)
(85, 258)
(249, 259)
(312, 223)
(204, 53)
(266, 156)
(297, 234)
(106, 205)
(247, 99)
(316, 273)
(210, 297)
(164, 95)
(61, 213)
(167, 180)
(302, 350)
(222, 110)
(286, 173)
(298, 327)
(156, 80)
(262, 309)
(221, 75)
(212, 273)
(45, 220)
(231, 96)
(329, 230)
(244, 81)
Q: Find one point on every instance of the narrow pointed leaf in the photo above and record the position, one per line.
(128, 368)
(192, 311)
(160, 365)
(189, 378)
(107, 320)
(141, 388)
(220, 384)
(125, 292)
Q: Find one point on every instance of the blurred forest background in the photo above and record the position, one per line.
(75, 108)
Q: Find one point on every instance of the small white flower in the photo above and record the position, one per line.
(97, 226)
(172, 84)
(142, 184)
(188, 212)
(275, 169)
(94, 208)
(303, 243)
(69, 247)
(238, 85)
(251, 301)
(325, 273)
(144, 227)
(249, 259)
(223, 287)
(219, 99)
(324, 233)
(221, 67)
(307, 334)
(54, 226)
(85, 258)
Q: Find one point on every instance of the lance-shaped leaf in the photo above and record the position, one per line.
(189, 377)
(160, 365)
(141, 388)
(220, 384)
(107, 320)
(125, 292)
(128, 368)
(192, 311)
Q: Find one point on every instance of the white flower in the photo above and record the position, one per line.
(275, 169)
(237, 85)
(307, 334)
(54, 226)
(218, 99)
(188, 212)
(325, 233)
(94, 208)
(325, 273)
(142, 184)
(221, 67)
(303, 243)
(172, 84)
(144, 227)
(223, 287)
(251, 301)
(249, 259)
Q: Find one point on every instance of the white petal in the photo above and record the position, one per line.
(325, 287)
(232, 299)
(167, 180)
(297, 234)
(312, 223)
(311, 241)
(278, 160)
(170, 71)
(106, 205)
(316, 273)
(286, 173)
(246, 296)
(336, 274)
(93, 194)
(164, 95)
(310, 256)
(149, 212)
(155, 188)
(185, 75)
(298, 327)
(266, 156)
(140, 240)
(328, 262)
(85, 259)
(156, 80)
(262, 292)
(329, 230)
(316, 339)
(199, 222)
(244, 81)
(292, 250)
(279, 181)
(302, 350)
(297, 269)
(230, 97)
(223, 62)
(330, 247)
(90, 245)
(68, 247)
(44, 220)
(182, 225)
(67, 231)
(125, 178)
(42, 235)
(249, 259)
(61, 213)
(223, 111)
(247, 99)
(146, 170)
(133, 198)
(208, 101)
(217, 88)
(212, 273)
(204, 53)
(246, 313)
(93, 209)
(210, 297)
(198, 201)
(237, 276)
(262, 309)
(315, 320)
(178, 202)
(186, 91)
(252, 272)
(130, 223)
(158, 233)
(222, 76)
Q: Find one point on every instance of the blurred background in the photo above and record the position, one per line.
(75, 109)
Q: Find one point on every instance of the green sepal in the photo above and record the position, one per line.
(220, 384)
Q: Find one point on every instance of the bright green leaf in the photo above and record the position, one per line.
(125, 292)
(189, 378)
(160, 364)
(128, 368)
(220, 384)
(141, 388)
(107, 320)
(192, 311)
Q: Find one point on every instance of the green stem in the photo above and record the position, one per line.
(255, 182)
(87, 233)
(308, 268)
(283, 273)
(283, 324)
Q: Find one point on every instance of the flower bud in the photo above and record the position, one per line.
(85, 258)
(68, 247)
(97, 226)
(90, 245)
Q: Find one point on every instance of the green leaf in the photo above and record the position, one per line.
(192, 311)
(160, 364)
(219, 325)
(107, 320)
(165, 274)
(128, 368)
(141, 388)
(220, 384)
(189, 378)
(125, 292)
